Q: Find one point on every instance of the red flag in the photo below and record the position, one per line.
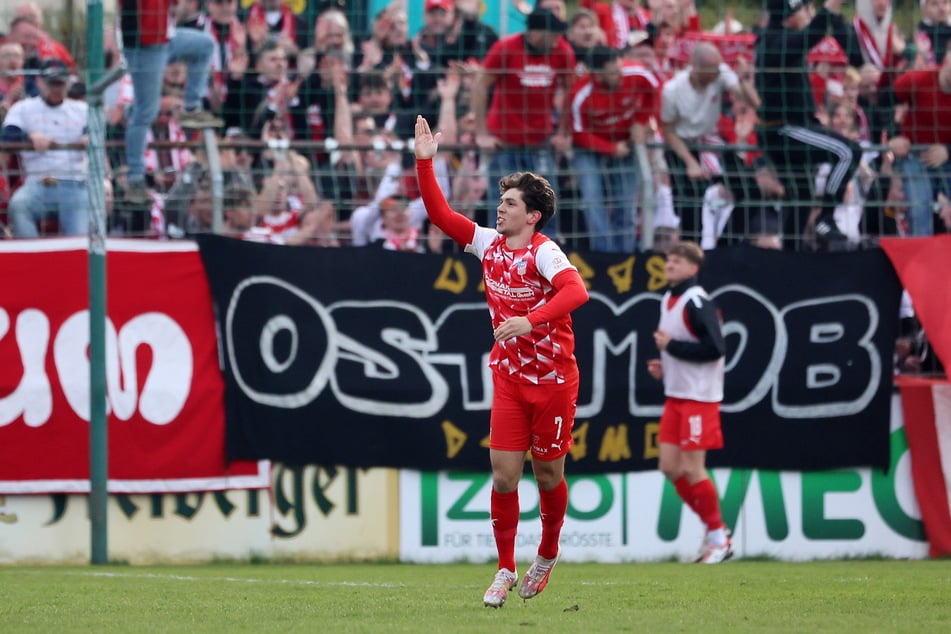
(922, 265)
(165, 391)
(926, 408)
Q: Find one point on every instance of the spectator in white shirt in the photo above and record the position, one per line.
(55, 183)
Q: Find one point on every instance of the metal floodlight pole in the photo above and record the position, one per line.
(96, 147)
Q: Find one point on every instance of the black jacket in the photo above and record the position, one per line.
(704, 321)
(782, 77)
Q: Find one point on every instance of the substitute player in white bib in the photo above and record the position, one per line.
(531, 289)
(690, 340)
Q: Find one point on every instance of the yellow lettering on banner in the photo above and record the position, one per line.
(658, 274)
(614, 444)
(623, 274)
(579, 439)
(584, 269)
(453, 277)
(455, 438)
(485, 441)
(651, 449)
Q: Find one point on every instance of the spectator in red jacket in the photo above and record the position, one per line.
(610, 113)
(523, 73)
(925, 173)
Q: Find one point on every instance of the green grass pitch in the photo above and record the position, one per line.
(861, 596)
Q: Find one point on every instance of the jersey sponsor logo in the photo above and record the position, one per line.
(510, 291)
(537, 76)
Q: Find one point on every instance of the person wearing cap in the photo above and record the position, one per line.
(437, 47)
(475, 36)
(789, 133)
(523, 73)
(452, 32)
(55, 183)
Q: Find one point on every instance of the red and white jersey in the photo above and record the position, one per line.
(523, 97)
(180, 157)
(262, 234)
(697, 381)
(287, 221)
(603, 116)
(516, 283)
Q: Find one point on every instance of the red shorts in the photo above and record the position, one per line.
(691, 425)
(537, 417)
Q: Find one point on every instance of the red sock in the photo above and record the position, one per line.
(504, 511)
(553, 505)
(685, 491)
(708, 504)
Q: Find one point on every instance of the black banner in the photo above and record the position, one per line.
(363, 357)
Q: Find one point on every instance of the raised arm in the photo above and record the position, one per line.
(453, 224)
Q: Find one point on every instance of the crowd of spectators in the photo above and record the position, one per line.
(644, 119)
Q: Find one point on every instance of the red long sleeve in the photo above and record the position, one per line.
(459, 228)
(571, 294)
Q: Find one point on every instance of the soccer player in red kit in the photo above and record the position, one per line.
(531, 289)
(690, 339)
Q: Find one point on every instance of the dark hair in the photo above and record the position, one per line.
(599, 56)
(236, 195)
(373, 80)
(688, 250)
(536, 191)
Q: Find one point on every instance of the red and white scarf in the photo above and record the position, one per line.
(288, 27)
(408, 241)
(181, 156)
(624, 23)
(872, 43)
(219, 66)
(236, 32)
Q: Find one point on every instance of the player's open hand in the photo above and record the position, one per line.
(426, 143)
(655, 368)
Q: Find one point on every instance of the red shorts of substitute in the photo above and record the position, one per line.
(537, 417)
(691, 425)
